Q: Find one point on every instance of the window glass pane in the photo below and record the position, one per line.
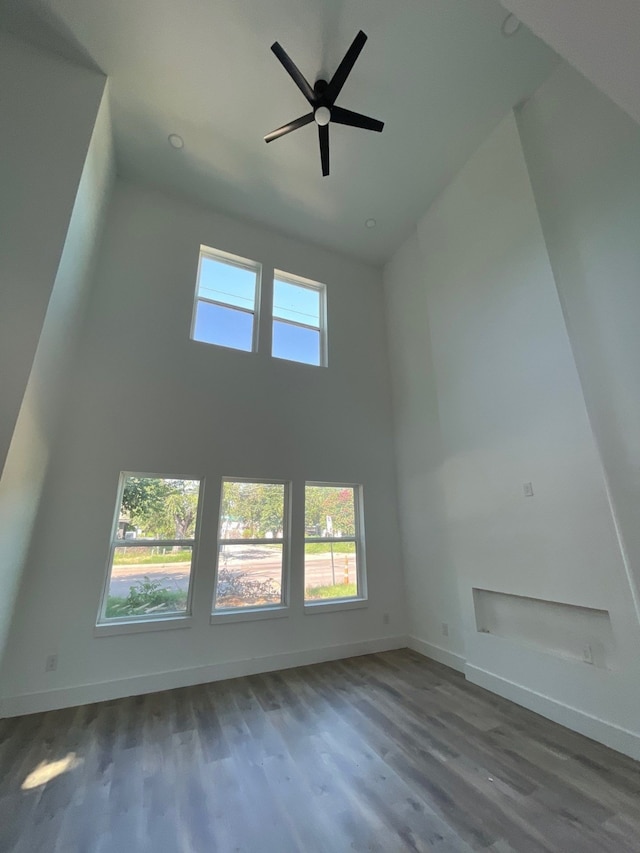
(227, 283)
(329, 511)
(295, 343)
(296, 303)
(148, 581)
(330, 570)
(249, 576)
(226, 327)
(158, 508)
(252, 511)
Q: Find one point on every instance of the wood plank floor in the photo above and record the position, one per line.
(388, 752)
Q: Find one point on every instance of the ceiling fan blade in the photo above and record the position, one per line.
(342, 116)
(323, 135)
(287, 128)
(294, 72)
(344, 69)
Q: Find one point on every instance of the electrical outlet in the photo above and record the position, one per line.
(385, 618)
(445, 629)
(51, 663)
(587, 654)
(527, 488)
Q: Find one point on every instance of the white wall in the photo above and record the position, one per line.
(583, 155)
(144, 397)
(511, 410)
(48, 109)
(54, 175)
(432, 584)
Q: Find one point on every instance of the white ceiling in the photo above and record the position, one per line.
(438, 72)
(600, 38)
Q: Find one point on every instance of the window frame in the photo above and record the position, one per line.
(106, 626)
(308, 284)
(351, 602)
(264, 611)
(229, 259)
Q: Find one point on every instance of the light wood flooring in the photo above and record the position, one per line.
(388, 752)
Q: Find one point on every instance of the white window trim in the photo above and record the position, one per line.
(333, 605)
(321, 289)
(136, 624)
(361, 599)
(249, 614)
(241, 263)
(268, 611)
(158, 623)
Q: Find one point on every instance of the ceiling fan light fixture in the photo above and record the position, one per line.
(322, 116)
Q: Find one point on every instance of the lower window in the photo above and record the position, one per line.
(152, 549)
(251, 571)
(334, 549)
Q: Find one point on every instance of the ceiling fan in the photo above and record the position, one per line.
(322, 98)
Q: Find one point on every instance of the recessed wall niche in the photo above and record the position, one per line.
(583, 634)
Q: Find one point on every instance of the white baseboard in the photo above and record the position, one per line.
(616, 737)
(437, 653)
(50, 700)
(622, 740)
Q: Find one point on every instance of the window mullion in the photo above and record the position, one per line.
(229, 305)
(296, 323)
(151, 543)
(329, 539)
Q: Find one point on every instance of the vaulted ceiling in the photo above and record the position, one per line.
(439, 73)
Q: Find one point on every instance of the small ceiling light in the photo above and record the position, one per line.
(370, 223)
(176, 141)
(322, 116)
(510, 26)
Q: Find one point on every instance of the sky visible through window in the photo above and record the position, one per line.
(299, 305)
(227, 283)
(296, 343)
(234, 287)
(226, 305)
(223, 326)
(295, 303)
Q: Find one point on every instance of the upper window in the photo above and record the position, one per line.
(334, 544)
(299, 320)
(152, 549)
(252, 546)
(226, 300)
